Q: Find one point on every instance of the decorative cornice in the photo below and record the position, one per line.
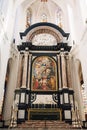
(44, 48)
(44, 27)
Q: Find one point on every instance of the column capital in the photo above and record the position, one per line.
(22, 52)
(26, 49)
(66, 53)
(58, 52)
(62, 53)
(26, 53)
(61, 49)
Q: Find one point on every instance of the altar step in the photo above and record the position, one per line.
(47, 125)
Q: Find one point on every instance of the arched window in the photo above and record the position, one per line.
(59, 18)
(28, 18)
(43, 17)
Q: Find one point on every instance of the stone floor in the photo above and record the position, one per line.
(44, 125)
(41, 129)
(48, 124)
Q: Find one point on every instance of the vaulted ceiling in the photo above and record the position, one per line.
(70, 14)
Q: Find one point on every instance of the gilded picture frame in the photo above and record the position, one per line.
(44, 74)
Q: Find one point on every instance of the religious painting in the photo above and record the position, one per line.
(44, 74)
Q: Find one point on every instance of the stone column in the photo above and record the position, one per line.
(63, 65)
(59, 71)
(19, 71)
(29, 69)
(24, 76)
(68, 65)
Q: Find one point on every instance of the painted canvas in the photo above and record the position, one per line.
(44, 74)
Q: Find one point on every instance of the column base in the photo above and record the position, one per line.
(22, 97)
(66, 96)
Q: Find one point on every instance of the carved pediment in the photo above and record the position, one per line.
(44, 28)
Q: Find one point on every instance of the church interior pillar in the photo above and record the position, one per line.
(66, 95)
(68, 70)
(63, 64)
(77, 89)
(69, 80)
(21, 95)
(29, 64)
(19, 71)
(59, 71)
(24, 76)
